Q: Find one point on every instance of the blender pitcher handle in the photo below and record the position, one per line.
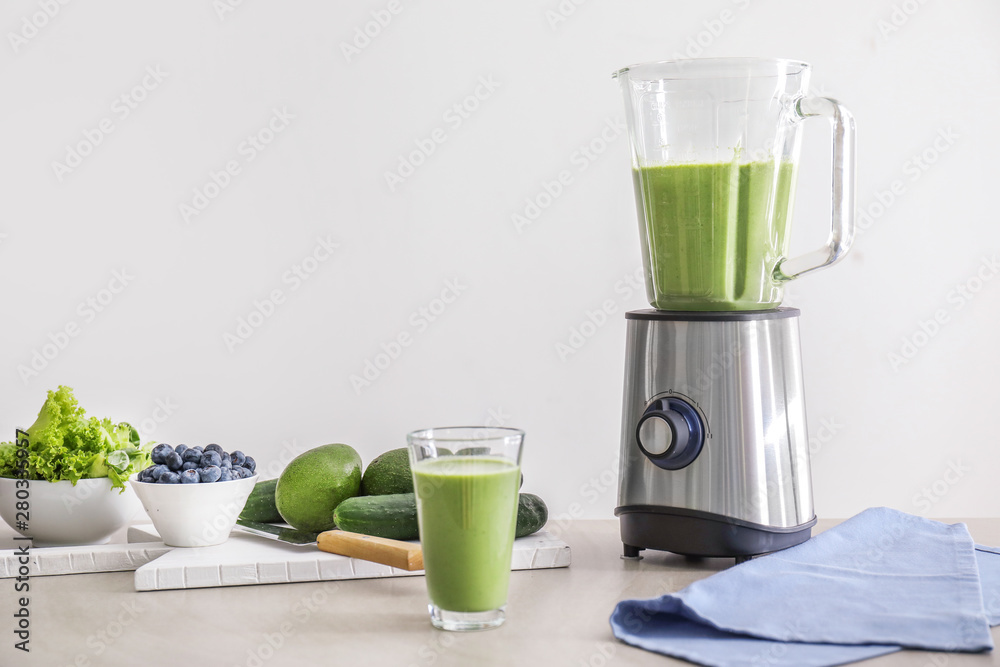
(843, 199)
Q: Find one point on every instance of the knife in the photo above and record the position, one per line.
(395, 553)
(273, 532)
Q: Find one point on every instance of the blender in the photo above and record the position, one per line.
(714, 448)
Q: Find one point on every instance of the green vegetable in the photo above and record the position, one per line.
(391, 515)
(65, 444)
(390, 473)
(395, 515)
(261, 505)
(531, 514)
(314, 483)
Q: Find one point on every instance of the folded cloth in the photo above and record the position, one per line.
(877, 583)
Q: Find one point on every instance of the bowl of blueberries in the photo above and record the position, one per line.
(194, 495)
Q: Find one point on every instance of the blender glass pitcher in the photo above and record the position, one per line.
(715, 144)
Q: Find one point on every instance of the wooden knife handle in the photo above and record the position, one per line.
(396, 553)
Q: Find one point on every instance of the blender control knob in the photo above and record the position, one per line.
(670, 433)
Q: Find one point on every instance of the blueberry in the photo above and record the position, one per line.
(239, 472)
(159, 453)
(190, 477)
(227, 462)
(210, 458)
(180, 449)
(157, 471)
(238, 458)
(250, 464)
(192, 454)
(189, 465)
(210, 474)
(169, 477)
(227, 475)
(174, 461)
(215, 448)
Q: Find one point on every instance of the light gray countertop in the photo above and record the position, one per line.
(555, 617)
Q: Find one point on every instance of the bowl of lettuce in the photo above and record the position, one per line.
(73, 477)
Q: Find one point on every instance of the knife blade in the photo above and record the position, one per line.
(395, 553)
(279, 533)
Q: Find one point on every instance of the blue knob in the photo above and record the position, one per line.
(670, 433)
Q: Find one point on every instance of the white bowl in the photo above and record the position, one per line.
(60, 513)
(194, 515)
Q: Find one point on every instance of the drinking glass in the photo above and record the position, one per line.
(466, 481)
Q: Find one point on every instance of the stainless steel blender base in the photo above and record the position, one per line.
(714, 450)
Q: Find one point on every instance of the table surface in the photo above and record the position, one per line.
(555, 617)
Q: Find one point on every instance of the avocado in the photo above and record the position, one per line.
(314, 483)
(390, 473)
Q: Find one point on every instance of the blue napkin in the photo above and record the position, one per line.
(877, 583)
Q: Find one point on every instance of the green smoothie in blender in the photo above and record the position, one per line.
(713, 233)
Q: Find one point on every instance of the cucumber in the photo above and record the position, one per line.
(391, 515)
(260, 505)
(531, 514)
(395, 515)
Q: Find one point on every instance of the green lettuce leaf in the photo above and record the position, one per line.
(65, 444)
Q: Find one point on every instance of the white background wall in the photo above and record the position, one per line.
(911, 72)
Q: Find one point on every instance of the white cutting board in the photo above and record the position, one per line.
(248, 559)
(117, 557)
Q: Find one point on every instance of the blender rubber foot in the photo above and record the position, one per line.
(630, 552)
(743, 559)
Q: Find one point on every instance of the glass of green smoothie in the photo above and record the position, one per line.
(715, 144)
(466, 480)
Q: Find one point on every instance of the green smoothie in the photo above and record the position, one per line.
(713, 234)
(467, 511)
